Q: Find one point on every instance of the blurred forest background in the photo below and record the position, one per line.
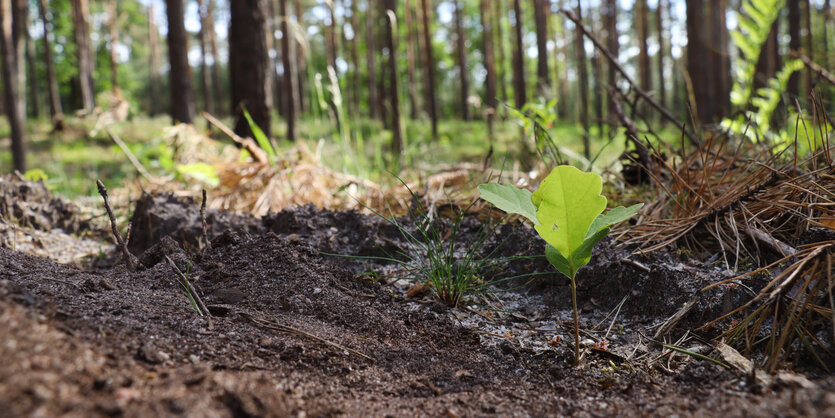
(386, 84)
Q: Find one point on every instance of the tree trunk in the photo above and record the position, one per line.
(217, 85)
(301, 64)
(644, 73)
(330, 35)
(371, 64)
(409, 21)
(355, 56)
(179, 76)
(463, 72)
(719, 60)
(612, 45)
(698, 61)
(541, 20)
(112, 23)
(289, 99)
(80, 14)
(55, 109)
(271, 72)
(769, 60)
(793, 87)
(501, 76)
(584, 82)
(248, 65)
(597, 100)
(519, 93)
(205, 81)
(429, 68)
(659, 26)
(20, 29)
(561, 63)
(153, 65)
(809, 50)
(10, 86)
(489, 64)
(32, 78)
(396, 133)
(828, 59)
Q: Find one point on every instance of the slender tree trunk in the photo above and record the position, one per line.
(182, 95)
(676, 101)
(645, 75)
(217, 85)
(429, 67)
(294, 82)
(769, 60)
(659, 26)
(519, 86)
(397, 134)
(271, 76)
(288, 78)
(463, 73)
(501, 66)
(20, 29)
(612, 45)
(153, 65)
(205, 81)
(828, 59)
(330, 35)
(489, 64)
(719, 61)
(112, 25)
(584, 82)
(409, 21)
(301, 64)
(355, 56)
(32, 78)
(698, 61)
(793, 87)
(809, 49)
(248, 64)
(561, 62)
(55, 109)
(80, 13)
(371, 64)
(597, 100)
(10, 86)
(541, 20)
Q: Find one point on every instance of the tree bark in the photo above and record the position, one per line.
(463, 72)
(371, 65)
(793, 87)
(20, 29)
(659, 26)
(409, 21)
(698, 61)
(301, 64)
(643, 49)
(80, 14)
(719, 60)
(205, 79)
(330, 35)
(271, 76)
(288, 79)
(489, 64)
(809, 49)
(32, 78)
(179, 76)
(355, 55)
(519, 86)
(113, 31)
(612, 45)
(217, 85)
(543, 83)
(248, 65)
(10, 86)
(429, 68)
(501, 58)
(583, 85)
(154, 64)
(55, 109)
(396, 133)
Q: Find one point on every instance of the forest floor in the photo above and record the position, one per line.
(294, 332)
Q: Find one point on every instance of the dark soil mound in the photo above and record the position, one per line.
(31, 205)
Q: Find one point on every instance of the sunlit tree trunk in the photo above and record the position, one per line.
(330, 34)
(55, 109)
(541, 20)
(429, 68)
(80, 14)
(20, 29)
(583, 85)
(10, 86)
(153, 64)
(288, 79)
(32, 78)
(396, 133)
(643, 49)
(371, 64)
(409, 21)
(179, 76)
(463, 72)
(112, 24)
(501, 60)
(301, 63)
(519, 86)
(205, 82)
(248, 65)
(355, 58)
(698, 61)
(489, 64)
(217, 85)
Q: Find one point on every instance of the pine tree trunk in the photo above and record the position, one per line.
(409, 21)
(271, 75)
(80, 14)
(288, 79)
(541, 20)
(182, 95)
(301, 65)
(501, 65)
(217, 85)
(355, 57)
(597, 100)
(371, 64)
(55, 109)
(10, 86)
(112, 23)
(330, 35)
(397, 134)
(793, 88)
(205, 82)
(248, 65)
(719, 60)
(644, 73)
(32, 78)
(490, 65)
(153, 64)
(429, 68)
(463, 73)
(809, 49)
(519, 86)
(612, 45)
(584, 82)
(659, 27)
(20, 29)
(698, 61)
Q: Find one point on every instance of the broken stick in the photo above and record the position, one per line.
(131, 261)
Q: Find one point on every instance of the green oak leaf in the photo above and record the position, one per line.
(614, 216)
(509, 199)
(557, 260)
(568, 201)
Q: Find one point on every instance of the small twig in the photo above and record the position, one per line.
(636, 264)
(132, 158)
(187, 284)
(817, 69)
(131, 261)
(290, 330)
(249, 144)
(203, 219)
(768, 239)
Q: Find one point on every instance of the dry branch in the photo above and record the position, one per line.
(131, 261)
(249, 144)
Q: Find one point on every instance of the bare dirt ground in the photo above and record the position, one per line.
(298, 333)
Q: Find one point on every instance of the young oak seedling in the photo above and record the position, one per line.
(567, 212)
